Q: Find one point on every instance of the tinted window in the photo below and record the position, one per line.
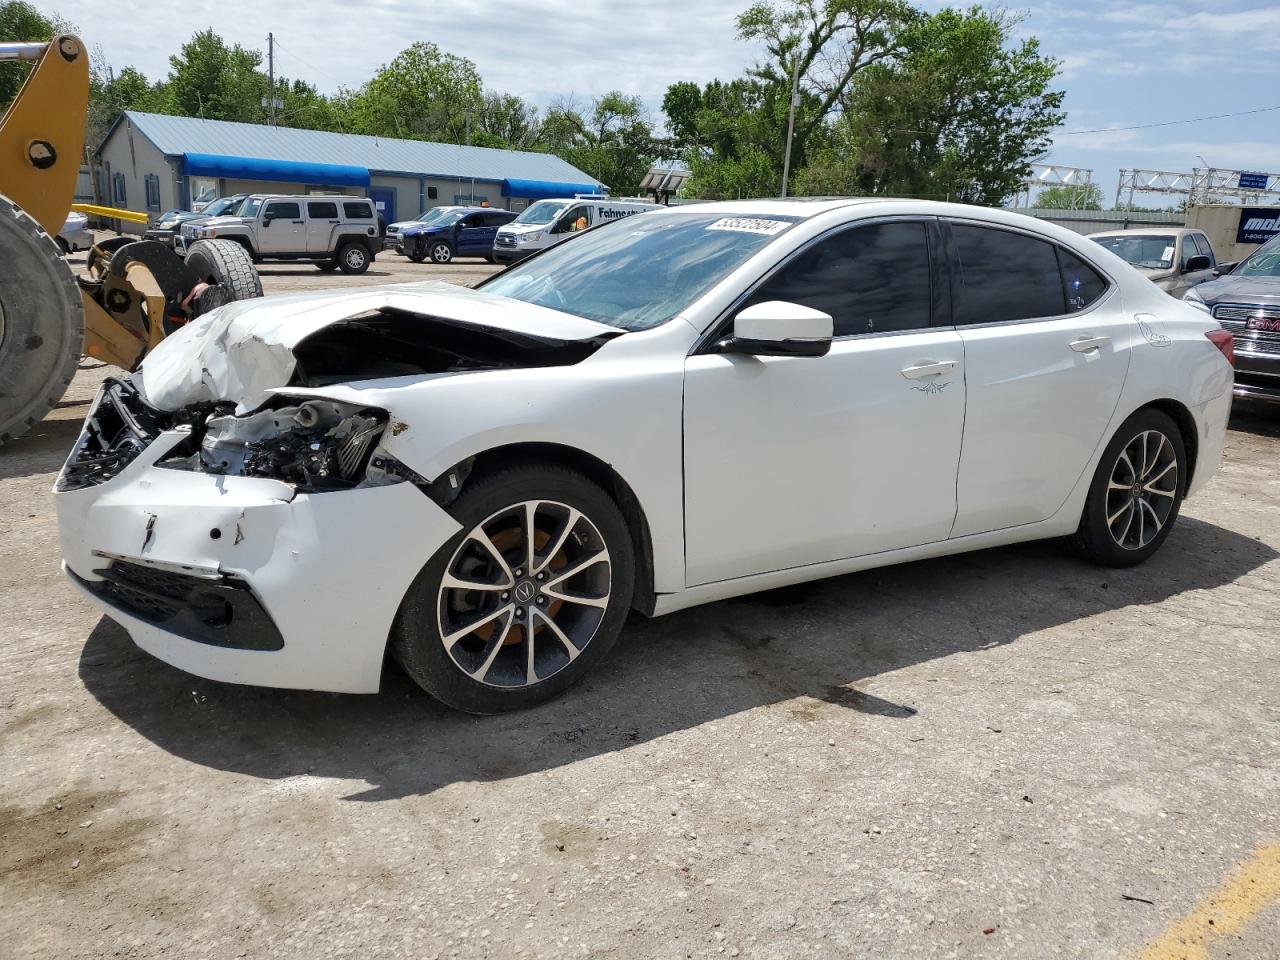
(1188, 251)
(284, 211)
(322, 210)
(1081, 282)
(1004, 276)
(496, 219)
(357, 211)
(1202, 242)
(870, 279)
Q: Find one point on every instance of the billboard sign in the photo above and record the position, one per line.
(1258, 224)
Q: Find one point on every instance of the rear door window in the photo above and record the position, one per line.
(1081, 284)
(322, 210)
(1002, 275)
(357, 211)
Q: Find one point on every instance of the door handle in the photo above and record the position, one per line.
(929, 368)
(1085, 344)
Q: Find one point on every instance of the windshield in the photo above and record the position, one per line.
(1263, 262)
(435, 213)
(1155, 253)
(221, 206)
(641, 271)
(544, 211)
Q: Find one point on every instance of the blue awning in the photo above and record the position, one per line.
(285, 171)
(546, 189)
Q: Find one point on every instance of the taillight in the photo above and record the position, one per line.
(1223, 340)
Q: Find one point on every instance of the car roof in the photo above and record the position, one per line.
(1146, 232)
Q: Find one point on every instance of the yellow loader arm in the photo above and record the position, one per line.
(136, 291)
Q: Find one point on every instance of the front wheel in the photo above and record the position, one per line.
(1136, 492)
(441, 252)
(226, 265)
(353, 258)
(417, 252)
(525, 599)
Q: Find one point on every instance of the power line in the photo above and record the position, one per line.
(1168, 123)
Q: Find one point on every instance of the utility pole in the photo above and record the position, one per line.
(271, 76)
(791, 123)
(466, 113)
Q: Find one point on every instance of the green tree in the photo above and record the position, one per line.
(112, 93)
(423, 94)
(209, 79)
(18, 22)
(613, 142)
(959, 114)
(1083, 197)
(506, 120)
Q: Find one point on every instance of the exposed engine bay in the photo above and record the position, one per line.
(391, 342)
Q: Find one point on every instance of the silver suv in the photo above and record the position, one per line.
(335, 232)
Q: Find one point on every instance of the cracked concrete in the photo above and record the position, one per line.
(1004, 754)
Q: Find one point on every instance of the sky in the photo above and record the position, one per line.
(1122, 64)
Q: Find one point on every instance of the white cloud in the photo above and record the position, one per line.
(584, 47)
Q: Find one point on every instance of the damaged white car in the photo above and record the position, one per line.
(688, 405)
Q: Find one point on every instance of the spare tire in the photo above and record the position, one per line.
(226, 265)
(41, 323)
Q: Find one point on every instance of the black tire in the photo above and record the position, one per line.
(63, 247)
(417, 254)
(327, 266)
(41, 323)
(226, 265)
(441, 252)
(417, 636)
(1099, 539)
(353, 257)
(491, 258)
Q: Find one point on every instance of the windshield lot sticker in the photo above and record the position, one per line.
(1168, 254)
(749, 225)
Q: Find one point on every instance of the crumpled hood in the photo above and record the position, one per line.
(241, 352)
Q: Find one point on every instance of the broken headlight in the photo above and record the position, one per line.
(313, 444)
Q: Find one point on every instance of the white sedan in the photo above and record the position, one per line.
(688, 405)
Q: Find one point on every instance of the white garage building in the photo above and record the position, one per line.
(151, 162)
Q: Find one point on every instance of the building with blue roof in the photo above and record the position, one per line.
(151, 162)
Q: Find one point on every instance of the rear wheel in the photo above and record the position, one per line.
(441, 252)
(327, 266)
(226, 265)
(41, 323)
(353, 257)
(525, 599)
(1136, 492)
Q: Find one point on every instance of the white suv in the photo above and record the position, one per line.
(334, 232)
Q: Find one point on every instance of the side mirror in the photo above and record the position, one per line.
(1200, 262)
(778, 328)
(266, 221)
(1222, 269)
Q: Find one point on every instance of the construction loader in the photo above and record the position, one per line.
(135, 291)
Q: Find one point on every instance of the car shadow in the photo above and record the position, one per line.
(821, 642)
(1256, 416)
(43, 448)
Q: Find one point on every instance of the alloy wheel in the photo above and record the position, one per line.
(1142, 490)
(524, 593)
(355, 258)
(441, 253)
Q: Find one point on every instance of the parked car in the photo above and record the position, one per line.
(166, 228)
(548, 222)
(335, 232)
(719, 399)
(392, 238)
(1175, 259)
(75, 234)
(462, 232)
(1246, 301)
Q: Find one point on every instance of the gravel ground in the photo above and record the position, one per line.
(979, 756)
